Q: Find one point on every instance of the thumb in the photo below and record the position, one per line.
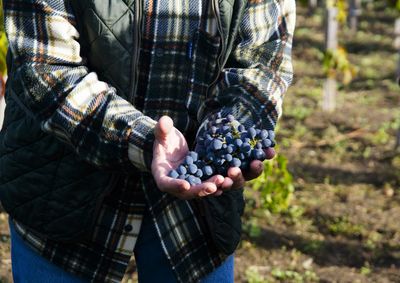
(163, 127)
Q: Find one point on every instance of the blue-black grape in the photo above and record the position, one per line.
(173, 174)
(216, 144)
(226, 143)
(208, 171)
(181, 170)
(236, 162)
(192, 168)
(188, 160)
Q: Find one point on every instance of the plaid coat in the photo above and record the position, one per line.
(182, 69)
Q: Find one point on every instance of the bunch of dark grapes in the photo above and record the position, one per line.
(225, 144)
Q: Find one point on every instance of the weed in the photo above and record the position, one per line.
(294, 276)
(253, 275)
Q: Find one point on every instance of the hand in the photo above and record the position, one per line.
(236, 179)
(169, 150)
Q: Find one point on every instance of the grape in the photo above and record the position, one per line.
(236, 162)
(208, 171)
(181, 170)
(199, 173)
(194, 155)
(216, 144)
(271, 134)
(225, 143)
(192, 168)
(245, 147)
(258, 154)
(188, 160)
(226, 129)
(228, 157)
(220, 161)
(173, 174)
(197, 181)
(238, 143)
(264, 134)
(228, 138)
(192, 180)
(266, 143)
(252, 133)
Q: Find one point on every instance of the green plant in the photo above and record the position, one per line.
(342, 226)
(294, 276)
(253, 275)
(275, 185)
(337, 65)
(342, 7)
(252, 228)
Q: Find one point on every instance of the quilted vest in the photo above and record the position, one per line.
(43, 183)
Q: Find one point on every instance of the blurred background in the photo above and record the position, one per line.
(326, 208)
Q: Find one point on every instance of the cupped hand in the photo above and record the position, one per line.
(169, 150)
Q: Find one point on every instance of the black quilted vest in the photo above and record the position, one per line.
(43, 183)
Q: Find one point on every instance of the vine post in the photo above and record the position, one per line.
(397, 46)
(312, 5)
(331, 44)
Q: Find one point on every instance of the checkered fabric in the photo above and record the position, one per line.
(179, 50)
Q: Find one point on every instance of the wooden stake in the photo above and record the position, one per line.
(331, 44)
(312, 5)
(397, 46)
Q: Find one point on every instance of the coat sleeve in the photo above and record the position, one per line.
(64, 96)
(259, 70)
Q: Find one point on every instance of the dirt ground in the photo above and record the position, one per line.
(342, 224)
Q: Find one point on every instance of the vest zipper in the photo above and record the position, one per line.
(217, 14)
(136, 50)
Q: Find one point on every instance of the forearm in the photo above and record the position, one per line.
(259, 69)
(67, 99)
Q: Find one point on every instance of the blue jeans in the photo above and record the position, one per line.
(29, 267)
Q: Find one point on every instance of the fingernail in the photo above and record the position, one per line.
(210, 190)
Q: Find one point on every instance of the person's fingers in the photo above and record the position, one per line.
(172, 186)
(255, 170)
(163, 127)
(269, 153)
(227, 184)
(206, 188)
(236, 175)
(218, 180)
